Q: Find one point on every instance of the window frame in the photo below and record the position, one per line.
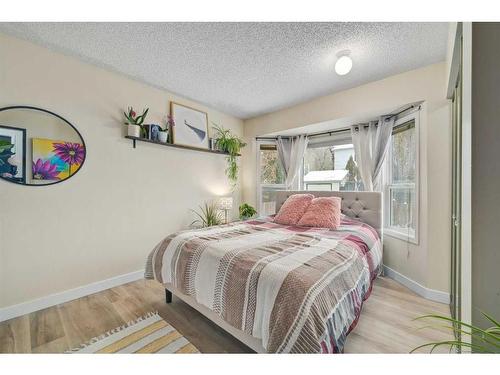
(389, 186)
(258, 143)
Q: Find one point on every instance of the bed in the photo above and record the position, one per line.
(278, 289)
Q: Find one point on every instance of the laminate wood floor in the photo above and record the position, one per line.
(386, 324)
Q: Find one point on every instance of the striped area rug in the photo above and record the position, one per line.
(148, 334)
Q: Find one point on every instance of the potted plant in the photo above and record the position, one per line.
(163, 134)
(208, 216)
(483, 340)
(247, 211)
(134, 123)
(227, 142)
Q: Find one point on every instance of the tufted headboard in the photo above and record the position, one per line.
(365, 206)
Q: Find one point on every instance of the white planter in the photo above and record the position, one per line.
(134, 131)
(163, 137)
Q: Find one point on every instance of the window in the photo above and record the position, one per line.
(271, 177)
(330, 165)
(402, 182)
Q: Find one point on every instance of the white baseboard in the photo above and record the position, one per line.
(14, 311)
(431, 294)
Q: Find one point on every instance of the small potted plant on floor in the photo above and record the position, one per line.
(134, 123)
(247, 211)
(208, 216)
(163, 134)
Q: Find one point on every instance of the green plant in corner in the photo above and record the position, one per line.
(209, 215)
(228, 142)
(482, 340)
(246, 211)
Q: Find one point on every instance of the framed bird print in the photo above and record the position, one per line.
(191, 126)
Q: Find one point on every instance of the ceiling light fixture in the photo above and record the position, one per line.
(344, 63)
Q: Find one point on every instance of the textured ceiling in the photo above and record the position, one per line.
(245, 69)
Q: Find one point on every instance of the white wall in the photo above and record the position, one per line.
(103, 221)
(427, 263)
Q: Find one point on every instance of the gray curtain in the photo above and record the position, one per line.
(371, 143)
(291, 152)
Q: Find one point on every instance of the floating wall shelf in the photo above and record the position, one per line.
(137, 139)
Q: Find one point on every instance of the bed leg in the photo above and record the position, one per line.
(168, 296)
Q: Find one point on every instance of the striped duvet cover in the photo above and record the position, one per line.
(299, 290)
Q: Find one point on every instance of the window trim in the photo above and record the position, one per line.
(332, 140)
(318, 183)
(392, 231)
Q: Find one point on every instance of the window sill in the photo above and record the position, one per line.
(401, 236)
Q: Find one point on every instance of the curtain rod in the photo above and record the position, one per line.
(339, 130)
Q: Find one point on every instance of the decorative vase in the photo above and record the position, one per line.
(134, 130)
(163, 136)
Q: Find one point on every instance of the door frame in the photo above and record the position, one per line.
(461, 60)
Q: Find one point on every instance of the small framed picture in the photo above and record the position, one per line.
(191, 126)
(13, 154)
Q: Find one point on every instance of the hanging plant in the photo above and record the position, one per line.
(228, 142)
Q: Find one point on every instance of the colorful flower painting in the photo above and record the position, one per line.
(56, 160)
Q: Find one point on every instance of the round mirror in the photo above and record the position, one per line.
(38, 147)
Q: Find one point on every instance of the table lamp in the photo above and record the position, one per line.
(226, 204)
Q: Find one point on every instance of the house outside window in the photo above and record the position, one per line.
(330, 165)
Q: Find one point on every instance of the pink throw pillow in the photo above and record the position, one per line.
(322, 213)
(293, 209)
